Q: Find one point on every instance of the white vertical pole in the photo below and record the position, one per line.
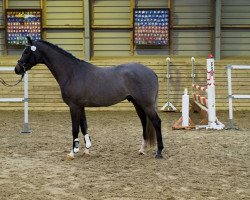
(168, 80)
(211, 92)
(230, 100)
(193, 74)
(185, 108)
(168, 105)
(26, 107)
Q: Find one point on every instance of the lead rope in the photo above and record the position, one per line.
(11, 85)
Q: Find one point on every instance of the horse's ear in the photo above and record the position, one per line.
(29, 40)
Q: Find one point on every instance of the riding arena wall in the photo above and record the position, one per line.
(192, 34)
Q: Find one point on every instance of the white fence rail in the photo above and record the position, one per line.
(24, 99)
(231, 96)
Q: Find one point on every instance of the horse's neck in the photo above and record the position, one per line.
(60, 65)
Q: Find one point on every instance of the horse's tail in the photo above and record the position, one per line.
(150, 129)
(150, 136)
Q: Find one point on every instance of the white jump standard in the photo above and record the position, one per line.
(168, 106)
(207, 103)
(230, 91)
(24, 99)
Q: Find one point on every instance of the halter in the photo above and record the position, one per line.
(24, 65)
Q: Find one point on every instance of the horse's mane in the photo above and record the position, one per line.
(64, 52)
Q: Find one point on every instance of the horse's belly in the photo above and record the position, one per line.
(104, 101)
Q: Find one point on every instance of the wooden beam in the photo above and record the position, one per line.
(132, 6)
(217, 43)
(83, 49)
(212, 18)
(41, 4)
(112, 27)
(245, 26)
(172, 27)
(87, 33)
(192, 27)
(63, 27)
(44, 13)
(91, 28)
(6, 4)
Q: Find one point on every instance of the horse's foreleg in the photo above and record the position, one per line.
(84, 128)
(75, 119)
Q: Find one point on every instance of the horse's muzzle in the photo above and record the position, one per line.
(19, 69)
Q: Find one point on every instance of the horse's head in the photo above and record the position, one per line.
(29, 58)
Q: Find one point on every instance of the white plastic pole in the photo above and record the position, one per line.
(239, 66)
(241, 96)
(26, 106)
(185, 108)
(211, 92)
(193, 74)
(230, 98)
(168, 79)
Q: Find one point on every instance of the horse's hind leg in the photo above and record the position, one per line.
(75, 112)
(156, 121)
(84, 128)
(143, 119)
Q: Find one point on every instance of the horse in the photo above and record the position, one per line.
(83, 84)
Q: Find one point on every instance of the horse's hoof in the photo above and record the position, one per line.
(70, 157)
(142, 152)
(87, 153)
(159, 156)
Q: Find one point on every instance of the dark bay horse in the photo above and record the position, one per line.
(85, 85)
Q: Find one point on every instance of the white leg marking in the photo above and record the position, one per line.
(87, 141)
(143, 146)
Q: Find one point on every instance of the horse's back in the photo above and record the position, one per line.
(136, 70)
(141, 82)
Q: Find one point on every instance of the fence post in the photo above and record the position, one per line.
(24, 99)
(168, 106)
(26, 106)
(211, 93)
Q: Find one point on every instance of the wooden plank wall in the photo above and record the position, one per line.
(110, 25)
(235, 40)
(63, 13)
(111, 42)
(16, 4)
(44, 92)
(63, 21)
(111, 13)
(192, 34)
(111, 28)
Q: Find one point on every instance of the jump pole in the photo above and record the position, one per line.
(168, 106)
(230, 91)
(24, 99)
(208, 104)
